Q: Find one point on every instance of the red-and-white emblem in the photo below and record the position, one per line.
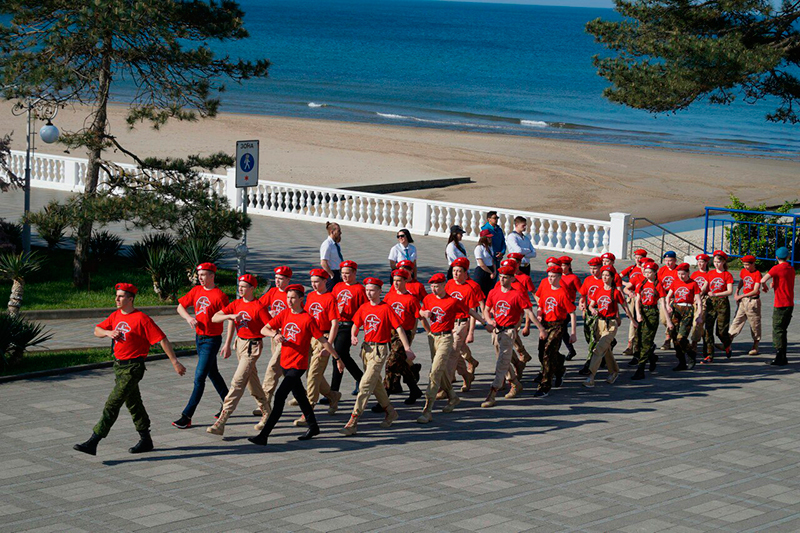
(667, 281)
(682, 293)
(550, 304)
(592, 290)
(501, 308)
(603, 302)
(244, 319)
(701, 281)
(201, 305)
(315, 309)
(748, 284)
(290, 331)
(277, 307)
(371, 323)
(399, 308)
(717, 285)
(342, 299)
(457, 296)
(124, 328)
(438, 314)
(648, 294)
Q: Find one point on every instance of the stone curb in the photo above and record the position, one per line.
(95, 312)
(81, 368)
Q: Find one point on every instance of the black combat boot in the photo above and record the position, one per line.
(145, 443)
(90, 446)
(639, 374)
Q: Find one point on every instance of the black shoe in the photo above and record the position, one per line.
(692, 361)
(310, 433)
(558, 381)
(355, 391)
(184, 422)
(415, 369)
(260, 439)
(377, 408)
(585, 370)
(571, 356)
(413, 396)
(90, 446)
(779, 362)
(540, 394)
(634, 361)
(257, 412)
(325, 401)
(145, 443)
(681, 366)
(538, 378)
(639, 374)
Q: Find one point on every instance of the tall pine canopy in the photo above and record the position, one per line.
(667, 54)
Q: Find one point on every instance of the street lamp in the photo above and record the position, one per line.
(42, 109)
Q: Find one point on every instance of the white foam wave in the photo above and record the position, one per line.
(431, 121)
(314, 104)
(533, 123)
(392, 115)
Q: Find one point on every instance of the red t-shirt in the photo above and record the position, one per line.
(517, 286)
(298, 329)
(406, 307)
(525, 282)
(378, 321)
(667, 276)
(649, 292)
(749, 280)
(783, 284)
(718, 281)
(275, 301)
(555, 305)
(322, 307)
(684, 293)
(470, 293)
(572, 284)
(443, 311)
(139, 332)
(631, 269)
(590, 285)
(636, 276)
(348, 299)
(417, 289)
(507, 307)
(206, 303)
(254, 316)
(606, 305)
(701, 278)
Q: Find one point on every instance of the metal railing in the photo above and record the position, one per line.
(657, 237)
(760, 237)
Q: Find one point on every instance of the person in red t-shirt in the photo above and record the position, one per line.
(439, 312)
(378, 320)
(635, 275)
(206, 299)
(683, 306)
(718, 307)
(572, 284)
(248, 316)
(590, 284)
(293, 328)
(132, 333)
(350, 295)
(407, 307)
(748, 296)
(649, 306)
(666, 275)
(465, 289)
(783, 278)
(700, 277)
(413, 285)
(274, 301)
(556, 305)
(605, 305)
(522, 283)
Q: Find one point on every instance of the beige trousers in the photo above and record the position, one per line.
(606, 331)
(274, 371)
(749, 311)
(504, 350)
(246, 375)
(316, 383)
(441, 347)
(631, 310)
(374, 357)
(461, 352)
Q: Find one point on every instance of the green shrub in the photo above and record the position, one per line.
(10, 236)
(51, 223)
(744, 238)
(138, 252)
(196, 250)
(104, 245)
(16, 336)
(166, 271)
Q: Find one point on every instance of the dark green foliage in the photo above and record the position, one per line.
(746, 239)
(166, 271)
(139, 250)
(8, 179)
(51, 223)
(16, 336)
(667, 54)
(195, 250)
(104, 245)
(10, 236)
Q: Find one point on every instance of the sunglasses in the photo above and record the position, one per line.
(401, 236)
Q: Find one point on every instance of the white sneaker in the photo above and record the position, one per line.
(612, 377)
(589, 382)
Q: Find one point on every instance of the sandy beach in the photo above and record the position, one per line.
(562, 177)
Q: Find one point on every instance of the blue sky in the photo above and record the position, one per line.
(574, 3)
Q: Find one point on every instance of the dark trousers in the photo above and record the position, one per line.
(331, 282)
(552, 362)
(781, 317)
(207, 350)
(126, 391)
(342, 345)
(525, 269)
(292, 382)
(718, 313)
(565, 337)
(483, 279)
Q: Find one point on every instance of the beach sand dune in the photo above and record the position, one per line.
(549, 176)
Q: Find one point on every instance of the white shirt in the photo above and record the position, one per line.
(453, 252)
(328, 252)
(485, 255)
(398, 253)
(520, 244)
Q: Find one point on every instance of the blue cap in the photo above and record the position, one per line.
(670, 254)
(782, 253)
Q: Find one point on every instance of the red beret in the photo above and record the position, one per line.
(683, 266)
(652, 265)
(297, 288)
(127, 287)
(438, 278)
(405, 263)
(399, 272)
(486, 233)
(283, 271)
(507, 270)
(702, 257)
(554, 268)
(249, 278)
(749, 259)
(516, 256)
(609, 255)
(462, 262)
(320, 273)
(609, 268)
(641, 252)
(348, 264)
(207, 266)
(721, 254)
(509, 263)
(594, 261)
(373, 281)
(565, 259)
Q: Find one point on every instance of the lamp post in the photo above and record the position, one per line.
(42, 109)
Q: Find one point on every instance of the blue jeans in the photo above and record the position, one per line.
(207, 350)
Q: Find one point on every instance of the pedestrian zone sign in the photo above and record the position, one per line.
(246, 163)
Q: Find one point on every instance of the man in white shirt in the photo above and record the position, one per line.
(519, 242)
(330, 254)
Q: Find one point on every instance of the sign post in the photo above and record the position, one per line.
(246, 176)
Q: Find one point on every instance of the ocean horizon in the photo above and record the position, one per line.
(467, 66)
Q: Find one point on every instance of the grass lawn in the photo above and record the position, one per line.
(46, 360)
(51, 287)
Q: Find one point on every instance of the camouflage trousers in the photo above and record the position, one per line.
(718, 313)
(552, 361)
(397, 366)
(125, 392)
(590, 332)
(682, 320)
(646, 333)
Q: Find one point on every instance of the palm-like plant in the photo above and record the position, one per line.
(196, 250)
(165, 269)
(17, 267)
(16, 336)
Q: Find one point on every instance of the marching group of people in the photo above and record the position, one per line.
(308, 329)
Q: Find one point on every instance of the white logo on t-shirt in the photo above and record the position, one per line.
(244, 319)
(372, 322)
(399, 308)
(501, 308)
(201, 305)
(682, 293)
(592, 290)
(290, 331)
(748, 284)
(648, 294)
(667, 281)
(604, 302)
(315, 309)
(342, 299)
(550, 304)
(717, 284)
(277, 307)
(123, 328)
(457, 296)
(439, 314)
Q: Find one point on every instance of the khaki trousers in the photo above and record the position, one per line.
(246, 376)
(749, 311)
(374, 357)
(606, 331)
(441, 347)
(461, 352)
(631, 310)
(504, 350)
(316, 383)
(274, 371)
(698, 330)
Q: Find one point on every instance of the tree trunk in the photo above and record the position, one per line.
(15, 300)
(80, 272)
